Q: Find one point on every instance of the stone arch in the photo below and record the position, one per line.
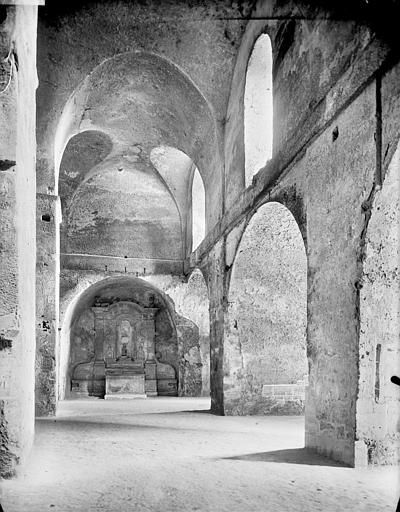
(258, 108)
(78, 303)
(172, 327)
(172, 112)
(93, 147)
(185, 184)
(193, 304)
(265, 356)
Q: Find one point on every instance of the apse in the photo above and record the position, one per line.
(123, 337)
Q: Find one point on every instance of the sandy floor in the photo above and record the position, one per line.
(168, 454)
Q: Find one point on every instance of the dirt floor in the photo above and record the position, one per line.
(170, 454)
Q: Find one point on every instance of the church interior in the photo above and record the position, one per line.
(199, 279)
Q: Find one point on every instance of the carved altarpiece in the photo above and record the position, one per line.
(124, 346)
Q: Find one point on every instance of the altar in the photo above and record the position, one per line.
(125, 379)
(124, 363)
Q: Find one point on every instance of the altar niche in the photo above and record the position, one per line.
(124, 363)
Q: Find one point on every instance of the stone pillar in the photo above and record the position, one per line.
(150, 364)
(99, 333)
(99, 367)
(48, 217)
(17, 233)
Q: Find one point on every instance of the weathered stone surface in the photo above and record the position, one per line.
(47, 302)
(17, 233)
(378, 399)
(335, 223)
(191, 301)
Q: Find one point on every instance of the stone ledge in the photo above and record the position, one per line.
(284, 391)
(22, 2)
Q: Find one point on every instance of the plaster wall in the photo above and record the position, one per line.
(17, 274)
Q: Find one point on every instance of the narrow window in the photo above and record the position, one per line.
(377, 371)
(258, 108)
(198, 210)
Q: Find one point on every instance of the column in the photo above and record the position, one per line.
(150, 364)
(17, 233)
(99, 368)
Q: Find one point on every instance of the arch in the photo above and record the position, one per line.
(258, 108)
(83, 152)
(265, 360)
(155, 104)
(177, 342)
(195, 305)
(186, 186)
(78, 302)
(174, 167)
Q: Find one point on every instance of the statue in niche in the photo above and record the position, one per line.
(125, 338)
(124, 348)
(140, 351)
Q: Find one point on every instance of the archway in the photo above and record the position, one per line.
(258, 107)
(186, 186)
(173, 113)
(265, 359)
(95, 336)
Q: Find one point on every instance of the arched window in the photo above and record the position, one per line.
(258, 108)
(198, 210)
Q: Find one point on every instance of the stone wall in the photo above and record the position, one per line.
(336, 131)
(335, 223)
(17, 255)
(378, 404)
